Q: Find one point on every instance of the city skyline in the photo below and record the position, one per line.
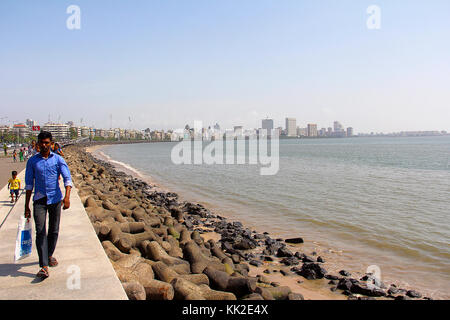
(228, 62)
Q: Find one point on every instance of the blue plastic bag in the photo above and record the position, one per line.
(23, 240)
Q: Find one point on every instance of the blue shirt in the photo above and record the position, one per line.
(42, 174)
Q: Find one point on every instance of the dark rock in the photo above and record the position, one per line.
(402, 298)
(320, 259)
(344, 273)
(344, 284)
(314, 253)
(334, 282)
(294, 240)
(306, 258)
(413, 294)
(267, 271)
(367, 290)
(295, 296)
(333, 289)
(284, 272)
(275, 284)
(255, 263)
(244, 244)
(392, 290)
(331, 277)
(312, 271)
(188, 224)
(284, 252)
(290, 261)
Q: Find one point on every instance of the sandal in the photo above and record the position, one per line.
(52, 262)
(43, 273)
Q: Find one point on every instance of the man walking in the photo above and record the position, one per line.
(42, 172)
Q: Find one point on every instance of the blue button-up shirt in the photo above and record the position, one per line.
(42, 173)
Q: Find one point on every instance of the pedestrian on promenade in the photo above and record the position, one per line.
(42, 173)
(57, 149)
(5, 148)
(14, 186)
(14, 155)
(21, 155)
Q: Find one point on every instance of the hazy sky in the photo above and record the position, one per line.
(166, 63)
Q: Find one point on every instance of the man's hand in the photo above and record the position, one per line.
(27, 212)
(66, 203)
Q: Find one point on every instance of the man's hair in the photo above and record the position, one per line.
(14, 173)
(44, 135)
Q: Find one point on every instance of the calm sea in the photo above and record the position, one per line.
(358, 202)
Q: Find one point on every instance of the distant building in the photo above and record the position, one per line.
(291, 127)
(267, 124)
(349, 132)
(21, 130)
(322, 132)
(338, 126)
(312, 130)
(30, 123)
(59, 131)
(238, 130)
(330, 131)
(302, 132)
(85, 131)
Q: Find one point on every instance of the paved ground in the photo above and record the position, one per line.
(6, 166)
(78, 251)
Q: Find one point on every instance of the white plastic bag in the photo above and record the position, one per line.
(23, 240)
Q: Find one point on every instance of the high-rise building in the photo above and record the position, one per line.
(302, 132)
(337, 126)
(349, 132)
(59, 131)
(267, 124)
(291, 127)
(21, 130)
(312, 130)
(330, 131)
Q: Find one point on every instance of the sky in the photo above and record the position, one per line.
(161, 64)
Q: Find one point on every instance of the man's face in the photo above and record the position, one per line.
(44, 145)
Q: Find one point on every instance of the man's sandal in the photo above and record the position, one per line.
(52, 262)
(43, 273)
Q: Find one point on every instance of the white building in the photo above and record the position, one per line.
(291, 127)
(59, 131)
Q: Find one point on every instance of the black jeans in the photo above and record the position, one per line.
(46, 244)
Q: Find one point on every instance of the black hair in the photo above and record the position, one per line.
(44, 135)
(14, 173)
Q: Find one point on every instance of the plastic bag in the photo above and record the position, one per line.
(23, 240)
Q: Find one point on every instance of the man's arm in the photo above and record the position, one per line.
(65, 172)
(66, 201)
(29, 184)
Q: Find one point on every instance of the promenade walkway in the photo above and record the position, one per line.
(84, 271)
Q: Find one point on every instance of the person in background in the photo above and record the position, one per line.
(21, 154)
(5, 148)
(41, 174)
(57, 149)
(15, 155)
(14, 186)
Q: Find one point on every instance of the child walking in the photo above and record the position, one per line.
(14, 186)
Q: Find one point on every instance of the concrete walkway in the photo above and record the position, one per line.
(84, 270)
